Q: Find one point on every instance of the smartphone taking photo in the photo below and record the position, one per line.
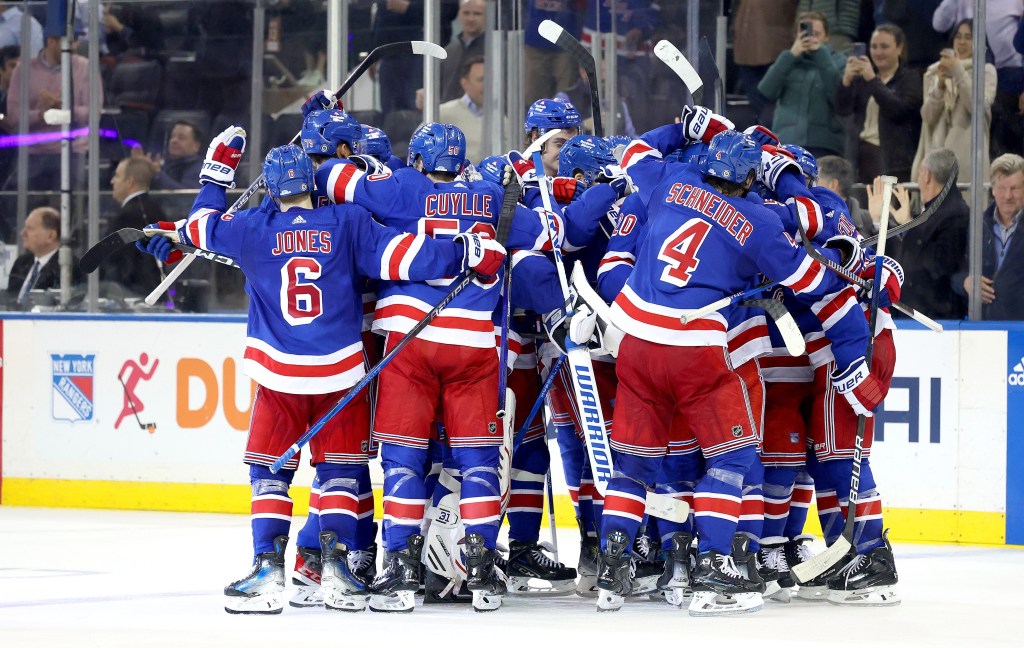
(858, 50)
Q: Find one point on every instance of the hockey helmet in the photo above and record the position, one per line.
(376, 143)
(808, 163)
(732, 156)
(546, 114)
(586, 153)
(323, 131)
(288, 171)
(492, 169)
(442, 147)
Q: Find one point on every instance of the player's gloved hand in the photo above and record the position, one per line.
(852, 258)
(159, 245)
(582, 324)
(762, 135)
(321, 100)
(369, 164)
(616, 178)
(860, 388)
(892, 280)
(566, 190)
(223, 156)
(484, 255)
(774, 162)
(523, 168)
(700, 124)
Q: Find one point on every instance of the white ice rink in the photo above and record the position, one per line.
(102, 578)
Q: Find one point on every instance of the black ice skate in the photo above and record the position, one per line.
(394, 589)
(342, 590)
(262, 591)
(530, 571)
(614, 572)
(648, 565)
(868, 579)
(772, 567)
(483, 577)
(798, 550)
(674, 581)
(306, 578)
(590, 551)
(719, 588)
(363, 562)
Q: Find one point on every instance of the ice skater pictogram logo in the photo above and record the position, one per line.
(130, 375)
(1016, 377)
(72, 386)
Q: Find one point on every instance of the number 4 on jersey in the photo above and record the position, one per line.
(680, 251)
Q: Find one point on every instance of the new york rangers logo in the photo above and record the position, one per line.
(72, 386)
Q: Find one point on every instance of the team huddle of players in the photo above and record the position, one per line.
(352, 247)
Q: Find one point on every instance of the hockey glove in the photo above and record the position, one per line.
(616, 178)
(852, 253)
(159, 245)
(484, 255)
(860, 388)
(582, 324)
(522, 168)
(223, 156)
(321, 100)
(892, 280)
(566, 190)
(369, 164)
(762, 135)
(701, 125)
(775, 162)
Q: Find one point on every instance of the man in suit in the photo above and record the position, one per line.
(132, 274)
(38, 268)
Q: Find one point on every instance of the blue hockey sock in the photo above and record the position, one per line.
(717, 499)
(480, 503)
(405, 495)
(309, 534)
(271, 506)
(526, 505)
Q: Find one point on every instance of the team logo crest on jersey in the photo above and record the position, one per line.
(794, 438)
(364, 446)
(226, 217)
(737, 431)
(72, 386)
(492, 427)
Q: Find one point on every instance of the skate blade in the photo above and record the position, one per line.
(307, 596)
(880, 596)
(265, 603)
(486, 601)
(677, 597)
(346, 602)
(609, 601)
(586, 587)
(526, 586)
(715, 604)
(397, 602)
(783, 595)
(812, 592)
(644, 586)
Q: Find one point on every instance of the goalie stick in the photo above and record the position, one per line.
(921, 218)
(819, 564)
(384, 51)
(555, 34)
(584, 386)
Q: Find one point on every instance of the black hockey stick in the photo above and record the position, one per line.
(553, 33)
(921, 218)
(148, 427)
(108, 245)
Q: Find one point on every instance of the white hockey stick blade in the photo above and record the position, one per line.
(171, 277)
(426, 48)
(667, 508)
(538, 143)
(811, 569)
(920, 318)
(791, 335)
(611, 335)
(549, 30)
(672, 57)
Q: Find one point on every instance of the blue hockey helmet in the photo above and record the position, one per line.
(288, 171)
(808, 163)
(618, 140)
(694, 153)
(323, 131)
(376, 143)
(732, 156)
(492, 169)
(586, 153)
(441, 146)
(547, 114)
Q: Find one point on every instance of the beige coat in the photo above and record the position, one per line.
(763, 28)
(946, 113)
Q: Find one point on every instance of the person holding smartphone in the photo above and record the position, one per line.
(884, 99)
(803, 81)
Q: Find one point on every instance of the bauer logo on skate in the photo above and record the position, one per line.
(72, 387)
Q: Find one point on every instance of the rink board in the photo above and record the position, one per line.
(69, 438)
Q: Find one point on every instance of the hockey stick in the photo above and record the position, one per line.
(108, 245)
(921, 218)
(553, 33)
(784, 322)
(148, 427)
(817, 565)
(584, 385)
(384, 51)
(672, 57)
(537, 404)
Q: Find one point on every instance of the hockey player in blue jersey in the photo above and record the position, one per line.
(547, 114)
(304, 268)
(377, 144)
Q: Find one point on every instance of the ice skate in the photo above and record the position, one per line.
(675, 577)
(798, 550)
(614, 573)
(531, 572)
(483, 577)
(720, 589)
(647, 566)
(587, 567)
(394, 589)
(306, 578)
(341, 589)
(363, 562)
(746, 562)
(262, 591)
(868, 579)
(771, 564)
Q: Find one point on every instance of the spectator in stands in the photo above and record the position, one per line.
(468, 44)
(926, 251)
(132, 29)
(467, 112)
(180, 169)
(948, 106)
(950, 13)
(9, 57)
(1002, 20)
(10, 28)
(842, 15)
(836, 174)
(135, 274)
(914, 17)
(885, 102)
(38, 268)
(762, 29)
(549, 70)
(1002, 251)
(802, 81)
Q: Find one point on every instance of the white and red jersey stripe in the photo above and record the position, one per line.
(780, 367)
(623, 504)
(662, 324)
(748, 339)
(808, 211)
(717, 505)
(272, 506)
(457, 326)
(303, 374)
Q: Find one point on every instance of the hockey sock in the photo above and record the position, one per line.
(339, 500)
(778, 493)
(480, 504)
(571, 450)
(435, 450)
(309, 534)
(751, 523)
(677, 478)
(271, 506)
(625, 498)
(591, 499)
(717, 498)
(366, 532)
(526, 505)
(803, 492)
(867, 528)
(405, 495)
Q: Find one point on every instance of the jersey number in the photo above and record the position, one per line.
(680, 251)
(301, 303)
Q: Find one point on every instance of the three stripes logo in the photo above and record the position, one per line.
(1016, 377)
